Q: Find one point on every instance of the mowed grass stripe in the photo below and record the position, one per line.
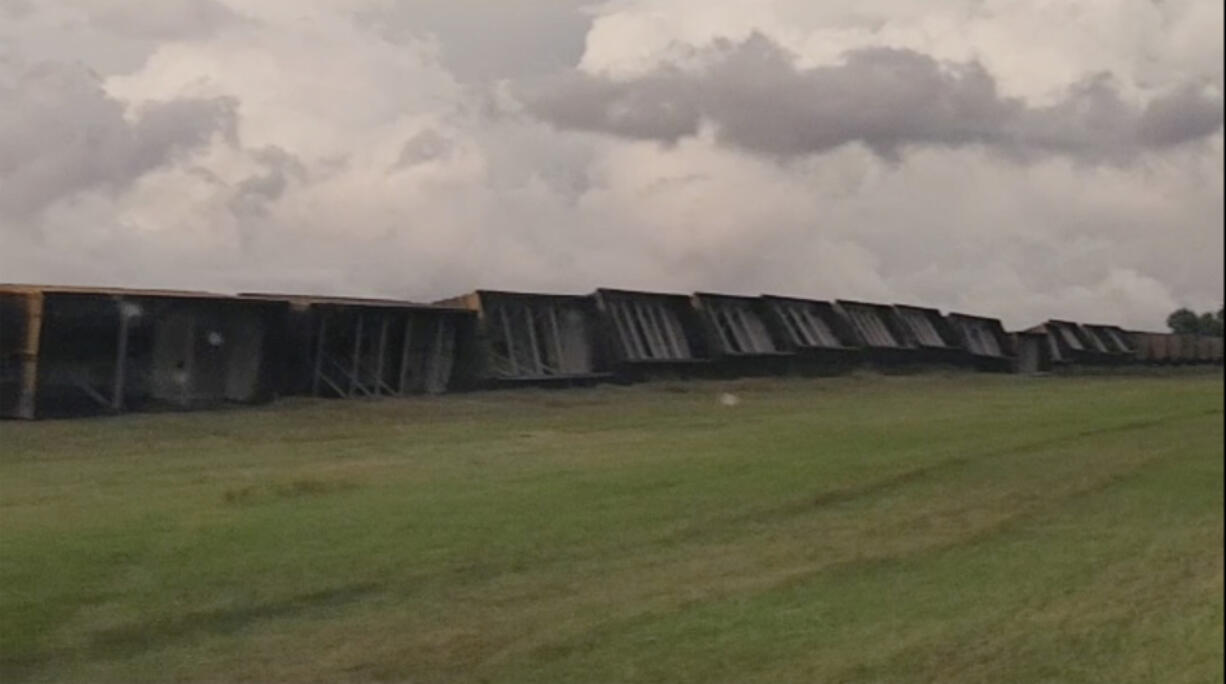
(759, 556)
(942, 532)
(554, 536)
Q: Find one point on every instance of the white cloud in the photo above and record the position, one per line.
(758, 99)
(361, 155)
(61, 134)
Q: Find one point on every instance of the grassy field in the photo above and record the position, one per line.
(868, 529)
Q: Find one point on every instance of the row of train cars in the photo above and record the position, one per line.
(71, 351)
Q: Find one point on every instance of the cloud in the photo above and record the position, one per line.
(373, 148)
(253, 194)
(423, 147)
(60, 134)
(888, 99)
(1178, 117)
(516, 37)
(109, 36)
(159, 19)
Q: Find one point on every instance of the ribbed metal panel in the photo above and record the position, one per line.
(805, 325)
(921, 327)
(649, 330)
(869, 324)
(738, 326)
(981, 339)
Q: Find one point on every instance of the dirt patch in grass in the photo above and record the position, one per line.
(306, 487)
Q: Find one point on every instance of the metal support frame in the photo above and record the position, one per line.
(722, 328)
(671, 329)
(506, 331)
(357, 357)
(83, 385)
(800, 333)
(189, 362)
(355, 384)
(625, 327)
(402, 388)
(381, 352)
(358, 374)
(870, 325)
(543, 335)
(557, 334)
(121, 356)
(28, 398)
(534, 345)
(753, 335)
(340, 391)
(648, 330)
(317, 373)
(440, 358)
(645, 327)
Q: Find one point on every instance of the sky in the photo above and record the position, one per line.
(1025, 160)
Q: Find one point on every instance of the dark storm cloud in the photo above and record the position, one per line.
(110, 36)
(423, 148)
(163, 19)
(516, 37)
(664, 105)
(1178, 117)
(252, 194)
(60, 133)
(756, 99)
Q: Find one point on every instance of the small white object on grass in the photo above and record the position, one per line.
(729, 399)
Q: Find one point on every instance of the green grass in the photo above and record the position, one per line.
(867, 529)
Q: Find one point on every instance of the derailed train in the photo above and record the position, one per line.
(67, 351)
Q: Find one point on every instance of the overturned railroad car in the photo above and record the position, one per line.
(819, 335)
(350, 347)
(881, 336)
(526, 337)
(738, 336)
(990, 348)
(1057, 350)
(1113, 342)
(650, 334)
(1034, 351)
(67, 351)
(934, 338)
(1073, 344)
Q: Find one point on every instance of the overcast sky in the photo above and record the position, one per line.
(1030, 160)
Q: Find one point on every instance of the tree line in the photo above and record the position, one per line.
(1187, 322)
